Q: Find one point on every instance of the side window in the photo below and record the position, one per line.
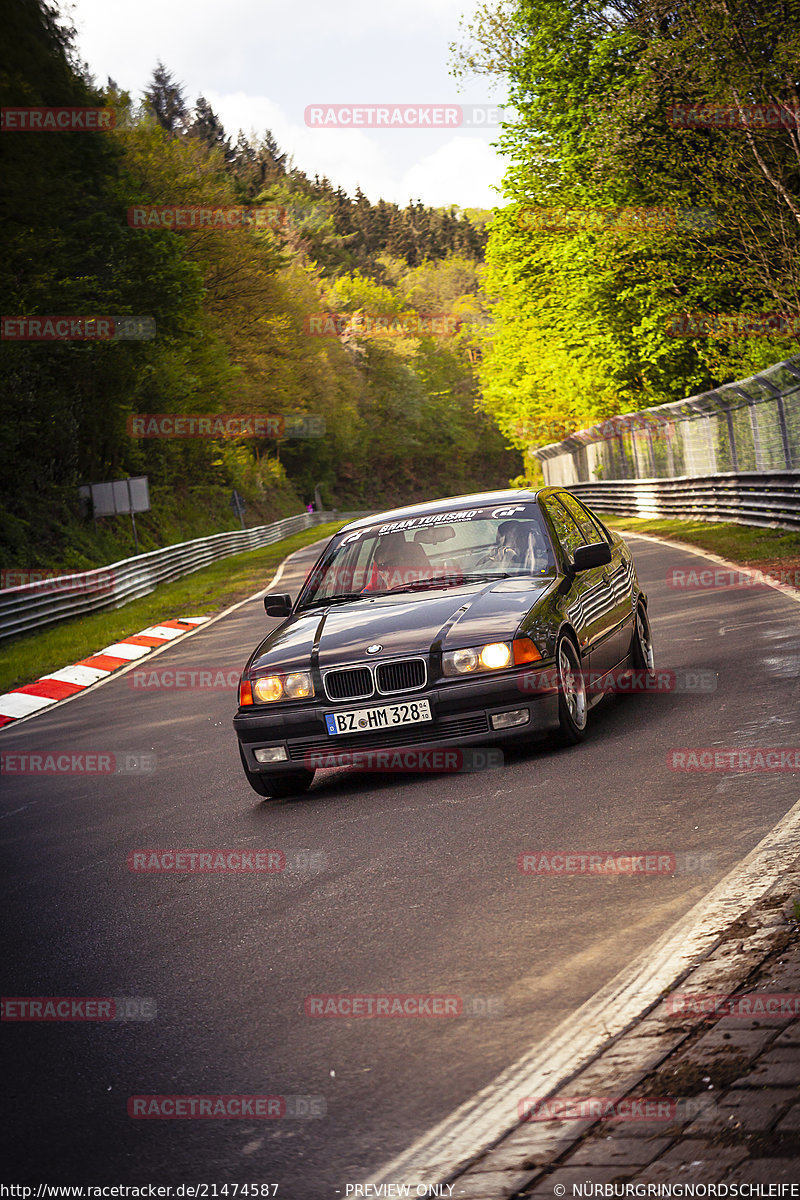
(604, 533)
(586, 522)
(567, 532)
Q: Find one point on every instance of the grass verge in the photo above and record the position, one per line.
(202, 594)
(773, 551)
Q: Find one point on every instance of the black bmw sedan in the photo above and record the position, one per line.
(454, 624)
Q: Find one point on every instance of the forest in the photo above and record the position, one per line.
(353, 320)
(646, 249)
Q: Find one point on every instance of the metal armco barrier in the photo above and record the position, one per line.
(767, 498)
(32, 605)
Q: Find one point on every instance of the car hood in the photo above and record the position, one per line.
(401, 625)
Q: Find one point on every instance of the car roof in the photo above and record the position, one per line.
(452, 504)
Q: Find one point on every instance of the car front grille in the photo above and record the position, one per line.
(405, 676)
(354, 683)
(411, 735)
(388, 678)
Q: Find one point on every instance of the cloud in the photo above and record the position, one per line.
(396, 165)
(460, 172)
(260, 62)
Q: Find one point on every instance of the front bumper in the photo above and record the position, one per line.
(461, 717)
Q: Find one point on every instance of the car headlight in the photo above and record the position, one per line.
(491, 657)
(297, 685)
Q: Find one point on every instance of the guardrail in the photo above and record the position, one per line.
(32, 605)
(766, 498)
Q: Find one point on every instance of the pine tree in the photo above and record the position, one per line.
(207, 126)
(165, 100)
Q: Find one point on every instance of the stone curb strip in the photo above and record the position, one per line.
(732, 1083)
(60, 685)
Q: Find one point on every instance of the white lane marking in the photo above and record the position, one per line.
(82, 676)
(279, 573)
(128, 650)
(549, 1064)
(161, 631)
(20, 704)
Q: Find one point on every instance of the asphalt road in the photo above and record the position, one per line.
(412, 886)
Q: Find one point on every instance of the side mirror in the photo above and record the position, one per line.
(278, 604)
(595, 555)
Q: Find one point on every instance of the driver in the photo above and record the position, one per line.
(520, 544)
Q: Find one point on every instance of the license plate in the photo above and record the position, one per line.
(388, 716)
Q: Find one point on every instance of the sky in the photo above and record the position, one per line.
(262, 63)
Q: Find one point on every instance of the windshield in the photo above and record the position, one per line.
(433, 551)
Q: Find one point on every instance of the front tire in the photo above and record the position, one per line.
(278, 787)
(642, 642)
(573, 708)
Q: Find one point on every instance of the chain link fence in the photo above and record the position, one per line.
(752, 425)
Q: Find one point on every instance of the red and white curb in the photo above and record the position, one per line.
(59, 685)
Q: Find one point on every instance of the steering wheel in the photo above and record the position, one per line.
(489, 559)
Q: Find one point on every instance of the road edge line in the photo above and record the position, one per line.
(487, 1117)
(786, 589)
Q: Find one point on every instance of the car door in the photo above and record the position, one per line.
(589, 602)
(619, 574)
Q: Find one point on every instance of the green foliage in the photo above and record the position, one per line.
(581, 313)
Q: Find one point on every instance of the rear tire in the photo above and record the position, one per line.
(278, 787)
(573, 708)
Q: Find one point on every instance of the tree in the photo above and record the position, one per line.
(581, 311)
(206, 125)
(165, 100)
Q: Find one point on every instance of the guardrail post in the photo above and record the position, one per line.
(759, 453)
(787, 450)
